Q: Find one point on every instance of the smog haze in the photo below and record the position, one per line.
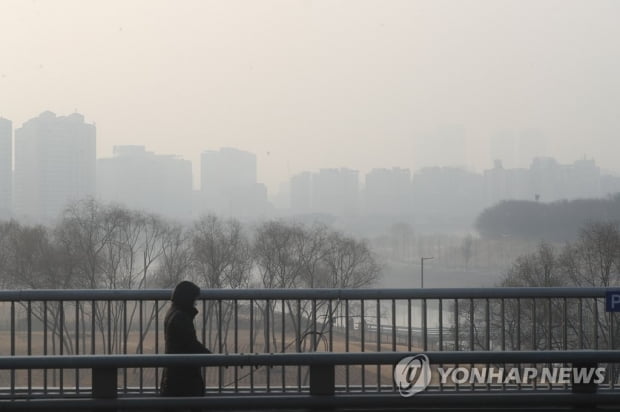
(313, 84)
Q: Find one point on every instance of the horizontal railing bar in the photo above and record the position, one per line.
(246, 294)
(305, 359)
(548, 399)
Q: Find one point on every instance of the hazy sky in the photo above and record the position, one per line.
(309, 84)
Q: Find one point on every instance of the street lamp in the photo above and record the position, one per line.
(422, 259)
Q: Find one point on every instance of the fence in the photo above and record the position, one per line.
(322, 391)
(98, 322)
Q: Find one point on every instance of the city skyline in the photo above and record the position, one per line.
(322, 84)
(514, 153)
(56, 162)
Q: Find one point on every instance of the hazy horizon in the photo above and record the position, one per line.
(314, 84)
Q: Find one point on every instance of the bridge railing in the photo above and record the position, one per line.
(119, 322)
(322, 390)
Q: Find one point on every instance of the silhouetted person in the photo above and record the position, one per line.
(180, 337)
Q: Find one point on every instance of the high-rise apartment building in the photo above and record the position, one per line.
(329, 191)
(54, 165)
(228, 183)
(6, 167)
(301, 192)
(336, 192)
(388, 192)
(143, 180)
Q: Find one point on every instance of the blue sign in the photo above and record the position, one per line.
(612, 301)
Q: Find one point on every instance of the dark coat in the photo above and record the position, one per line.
(180, 336)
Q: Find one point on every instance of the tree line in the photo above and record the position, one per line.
(591, 260)
(557, 221)
(95, 245)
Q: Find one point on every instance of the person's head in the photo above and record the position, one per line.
(185, 294)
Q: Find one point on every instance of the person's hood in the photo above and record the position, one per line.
(184, 295)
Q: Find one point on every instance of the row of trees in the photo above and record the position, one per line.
(592, 260)
(96, 245)
(558, 221)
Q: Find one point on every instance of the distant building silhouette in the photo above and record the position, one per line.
(336, 192)
(301, 193)
(583, 179)
(553, 181)
(228, 183)
(54, 164)
(387, 192)
(516, 148)
(610, 185)
(502, 184)
(6, 167)
(446, 193)
(545, 180)
(143, 180)
(328, 191)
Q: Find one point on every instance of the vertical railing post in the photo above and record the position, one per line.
(584, 387)
(105, 383)
(589, 387)
(322, 380)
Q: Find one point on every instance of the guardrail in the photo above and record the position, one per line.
(322, 391)
(98, 322)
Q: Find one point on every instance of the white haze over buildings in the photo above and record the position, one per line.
(324, 84)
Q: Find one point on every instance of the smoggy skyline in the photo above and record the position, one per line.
(313, 84)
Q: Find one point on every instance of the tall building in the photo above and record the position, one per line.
(6, 167)
(584, 179)
(552, 181)
(505, 184)
(301, 193)
(143, 180)
(546, 180)
(227, 167)
(447, 191)
(336, 192)
(228, 183)
(328, 191)
(54, 165)
(388, 192)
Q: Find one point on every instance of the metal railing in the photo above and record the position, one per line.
(98, 322)
(322, 392)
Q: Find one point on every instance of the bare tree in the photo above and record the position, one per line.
(154, 231)
(177, 261)
(221, 252)
(84, 232)
(593, 260)
(350, 263)
(292, 255)
(222, 259)
(275, 252)
(541, 268)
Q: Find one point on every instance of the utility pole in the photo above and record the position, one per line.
(422, 259)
